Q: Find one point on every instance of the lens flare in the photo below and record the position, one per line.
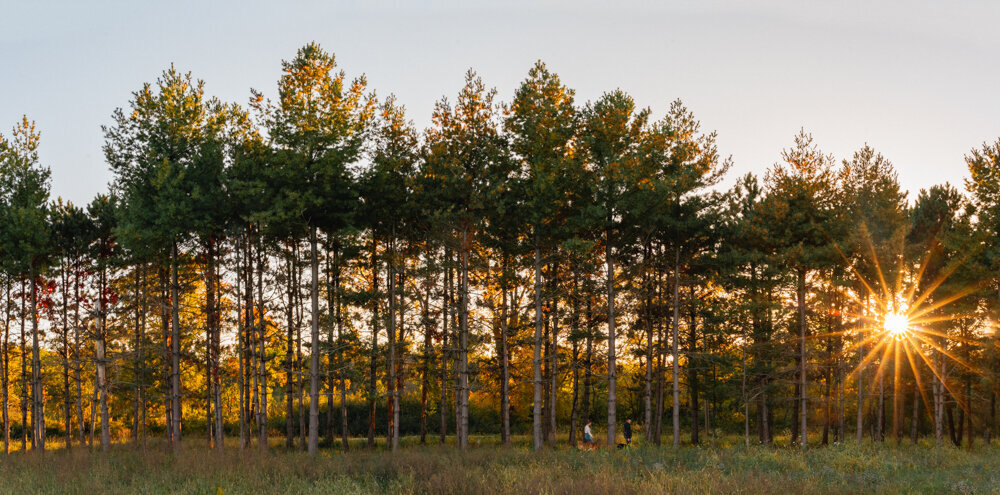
(897, 325)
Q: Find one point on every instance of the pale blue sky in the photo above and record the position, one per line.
(920, 81)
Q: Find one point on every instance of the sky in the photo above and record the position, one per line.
(917, 80)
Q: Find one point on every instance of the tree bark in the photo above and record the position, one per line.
(802, 351)
(612, 372)
(38, 398)
(536, 413)
(504, 362)
(372, 385)
(393, 430)
(175, 354)
(314, 349)
(463, 346)
(676, 350)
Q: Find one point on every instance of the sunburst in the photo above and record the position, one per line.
(897, 326)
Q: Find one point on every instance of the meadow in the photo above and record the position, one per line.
(486, 468)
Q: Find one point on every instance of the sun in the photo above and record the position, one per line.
(897, 325)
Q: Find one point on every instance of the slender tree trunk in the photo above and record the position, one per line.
(38, 399)
(24, 369)
(314, 349)
(463, 345)
(648, 317)
(262, 372)
(612, 371)
(897, 394)
(101, 356)
(4, 374)
(165, 308)
(661, 369)
(67, 402)
(426, 358)
(546, 352)
(299, 372)
(880, 420)
(372, 385)
(915, 420)
(676, 350)
(241, 342)
(78, 364)
(340, 353)
(802, 352)
(504, 363)
(289, 355)
(536, 413)
(400, 358)
(588, 376)
(554, 356)
(392, 431)
(861, 377)
(692, 365)
(938, 398)
(445, 322)
(175, 355)
(209, 345)
(575, 357)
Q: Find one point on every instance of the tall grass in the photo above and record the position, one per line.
(486, 468)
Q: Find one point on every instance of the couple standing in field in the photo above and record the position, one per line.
(588, 435)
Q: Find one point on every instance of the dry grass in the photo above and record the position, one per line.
(488, 469)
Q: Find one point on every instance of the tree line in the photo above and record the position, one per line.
(315, 264)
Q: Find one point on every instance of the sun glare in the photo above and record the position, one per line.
(897, 325)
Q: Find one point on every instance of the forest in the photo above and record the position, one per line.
(315, 270)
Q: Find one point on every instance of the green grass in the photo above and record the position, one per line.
(486, 468)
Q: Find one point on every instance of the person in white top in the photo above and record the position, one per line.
(588, 436)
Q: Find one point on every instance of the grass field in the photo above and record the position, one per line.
(486, 468)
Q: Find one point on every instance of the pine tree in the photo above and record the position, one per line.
(797, 211)
(156, 153)
(24, 194)
(541, 122)
(611, 132)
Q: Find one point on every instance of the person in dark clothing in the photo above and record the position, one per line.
(628, 431)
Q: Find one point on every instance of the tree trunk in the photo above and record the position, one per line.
(372, 385)
(241, 342)
(676, 350)
(314, 349)
(175, 354)
(24, 371)
(209, 342)
(339, 319)
(802, 352)
(67, 411)
(289, 363)
(463, 346)
(612, 372)
(861, 378)
(588, 376)
(101, 356)
(38, 398)
(692, 367)
(168, 400)
(445, 322)
(536, 414)
(575, 358)
(262, 372)
(648, 317)
(504, 363)
(554, 355)
(938, 398)
(392, 431)
(426, 369)
(4, 373)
